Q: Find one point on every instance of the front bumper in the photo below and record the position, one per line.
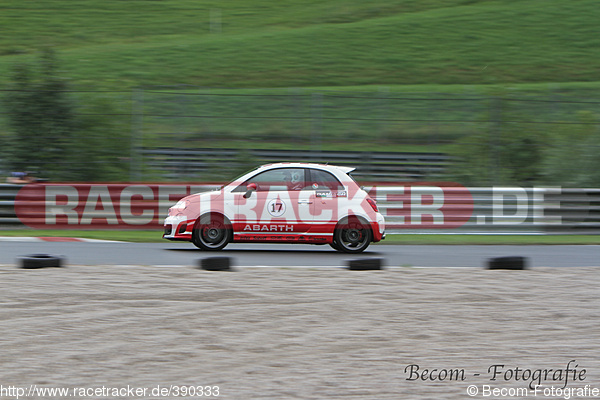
(178, 228)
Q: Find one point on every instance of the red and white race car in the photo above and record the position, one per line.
(281, 203)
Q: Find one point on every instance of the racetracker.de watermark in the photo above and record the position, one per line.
(422, 205)
(170, 391)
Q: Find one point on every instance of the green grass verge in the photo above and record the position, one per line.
(146, 236)
(140, 236)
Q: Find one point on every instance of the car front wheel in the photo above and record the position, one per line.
(212, 232)
(352, 236)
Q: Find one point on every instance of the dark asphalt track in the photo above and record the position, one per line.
(185, 254)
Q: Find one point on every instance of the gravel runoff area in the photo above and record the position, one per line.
(316, 333)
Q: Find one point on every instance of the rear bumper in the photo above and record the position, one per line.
(378, 228)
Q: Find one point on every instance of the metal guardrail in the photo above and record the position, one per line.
(494, 210)
(8, 193)
(374, 166)
(407, 209)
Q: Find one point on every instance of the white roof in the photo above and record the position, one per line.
(345, 170)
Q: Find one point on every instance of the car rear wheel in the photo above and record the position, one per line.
(211, 232)
(352, 236)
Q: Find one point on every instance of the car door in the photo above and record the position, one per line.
(329, 195)
(278, 209)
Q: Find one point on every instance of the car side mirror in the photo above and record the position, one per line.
(249, 189)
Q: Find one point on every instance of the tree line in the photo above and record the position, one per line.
(53, 136)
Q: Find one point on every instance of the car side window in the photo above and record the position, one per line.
(325, 180)
(280, 179)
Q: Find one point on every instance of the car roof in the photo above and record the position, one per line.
(345, 170)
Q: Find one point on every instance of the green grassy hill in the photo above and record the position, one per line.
(514, 82)
(240, 44)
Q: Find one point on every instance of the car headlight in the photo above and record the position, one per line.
(180, 205)
(178, 208)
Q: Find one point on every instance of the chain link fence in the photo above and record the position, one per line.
(549, 137)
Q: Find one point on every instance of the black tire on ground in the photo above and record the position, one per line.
(36, 261)
(216, 264)
(352, 235)
(365, 264)
(212, 232)
(334, 245)
(514, 263)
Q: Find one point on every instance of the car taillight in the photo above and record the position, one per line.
(373, 204)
